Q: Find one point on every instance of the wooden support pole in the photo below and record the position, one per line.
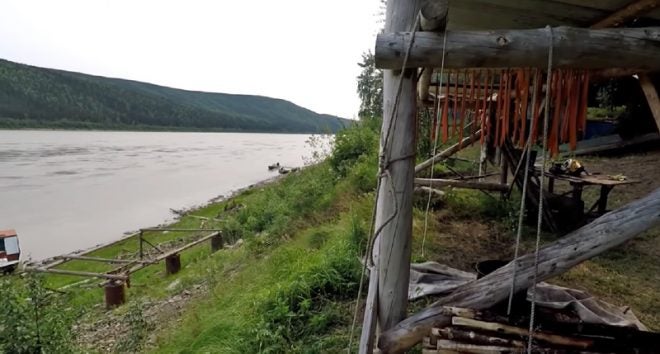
(606, 232)
(573, 47)
(448, 151)
(651, 97)
(433, 17)
(457, 183)
(394, 204)
(141, 239)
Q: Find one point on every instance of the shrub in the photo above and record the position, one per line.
(34, 319)
(351, 144)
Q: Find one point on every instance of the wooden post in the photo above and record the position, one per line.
(216, 242)
(396, 186)
(433, 17)
(140, 239)
(172, 264)
(115, 294)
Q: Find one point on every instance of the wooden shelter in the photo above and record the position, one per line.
(421, 39)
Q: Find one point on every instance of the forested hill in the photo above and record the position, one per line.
(33, 97)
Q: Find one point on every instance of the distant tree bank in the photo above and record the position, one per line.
(33, 97)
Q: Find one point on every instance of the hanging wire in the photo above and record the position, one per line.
(435, 141)
(539, 220)
(527, 150)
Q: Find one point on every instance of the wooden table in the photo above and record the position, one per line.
(577, 183)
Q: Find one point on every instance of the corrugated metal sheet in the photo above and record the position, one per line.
(517, 14)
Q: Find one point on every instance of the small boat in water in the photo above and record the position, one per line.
(10, 252)
(273, 166)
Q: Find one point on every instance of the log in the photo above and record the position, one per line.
(467, 141)
(425, 189)
(573, 48)
(433, 17)
(477, 338)
(393, 246)
(604, 233)
(627, 13)
(456, 183)
(580, 343)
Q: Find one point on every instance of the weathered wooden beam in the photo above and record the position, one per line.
(77, 273)
(629, 12)
(467, 141)
(433, 17)
(573, 48)
(652, 98)
(604, 233)
(457, 183)
(98, 259)
(427, 190)
(394, 203)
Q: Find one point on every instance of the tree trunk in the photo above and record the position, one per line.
(606, 232)
(583, 48)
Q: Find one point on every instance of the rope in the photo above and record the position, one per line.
(528, 151)
(383, 168)
(435, 142)
(540, 214)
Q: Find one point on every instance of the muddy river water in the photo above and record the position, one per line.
(69, 190)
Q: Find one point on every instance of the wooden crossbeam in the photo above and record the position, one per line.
(99, 259)
(78, 273)
(573, 47)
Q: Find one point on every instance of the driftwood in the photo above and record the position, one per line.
(604, 233)
(486, 186)
(573, 47)
(448, 151)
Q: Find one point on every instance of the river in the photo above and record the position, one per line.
(68, 190)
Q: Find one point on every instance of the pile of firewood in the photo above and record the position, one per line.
(480, 332)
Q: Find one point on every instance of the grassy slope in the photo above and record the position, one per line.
(33, 97)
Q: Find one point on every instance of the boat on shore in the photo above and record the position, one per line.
(10, 251)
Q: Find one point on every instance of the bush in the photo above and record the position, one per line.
(34, 319)
(351, 144)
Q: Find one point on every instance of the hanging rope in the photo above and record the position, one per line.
(539, 221)
(383, 171)
(527, 150)
(435, 143)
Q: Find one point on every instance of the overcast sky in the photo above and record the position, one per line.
(304, 51)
